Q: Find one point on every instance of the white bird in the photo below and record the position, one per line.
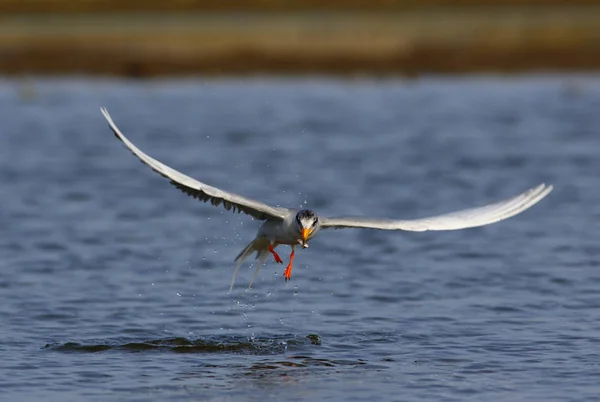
(293, 227)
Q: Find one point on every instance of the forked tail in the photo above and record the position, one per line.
(257, 245)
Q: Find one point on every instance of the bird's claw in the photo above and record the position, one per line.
(275, 255)
(287, 274)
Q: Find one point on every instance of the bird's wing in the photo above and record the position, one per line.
(466, 218)
(200, 190)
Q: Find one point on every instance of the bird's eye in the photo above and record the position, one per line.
(315, 222)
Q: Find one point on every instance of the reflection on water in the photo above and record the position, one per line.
(268, 346)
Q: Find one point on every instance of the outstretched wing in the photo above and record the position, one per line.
(466, 218)
(200, 190)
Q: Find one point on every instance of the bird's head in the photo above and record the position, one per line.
(308, 225)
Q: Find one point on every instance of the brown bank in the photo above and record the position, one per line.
(387, 38)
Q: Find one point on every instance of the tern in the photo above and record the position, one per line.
(295, 227)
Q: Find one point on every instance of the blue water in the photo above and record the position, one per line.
(113, 284)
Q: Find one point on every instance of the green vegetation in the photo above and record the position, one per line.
(95, 6)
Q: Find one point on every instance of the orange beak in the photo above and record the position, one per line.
(305, 234)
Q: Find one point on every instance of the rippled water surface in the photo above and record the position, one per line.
(113, 284)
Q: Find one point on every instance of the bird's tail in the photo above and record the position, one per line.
(262, 252)
(261, 256)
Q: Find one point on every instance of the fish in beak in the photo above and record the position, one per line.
(304, 237)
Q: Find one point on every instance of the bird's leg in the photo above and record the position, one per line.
(287, 274)
(275, 255)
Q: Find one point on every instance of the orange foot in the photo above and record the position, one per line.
(287, 274)
(275, 255)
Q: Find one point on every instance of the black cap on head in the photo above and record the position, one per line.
(305, 214)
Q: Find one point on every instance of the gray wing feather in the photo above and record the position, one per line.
(200, 190)
(463, 219)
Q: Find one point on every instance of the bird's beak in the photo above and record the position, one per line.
(305, 234)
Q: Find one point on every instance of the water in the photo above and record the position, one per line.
(113, 284)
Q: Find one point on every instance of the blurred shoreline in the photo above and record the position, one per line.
(382, 41)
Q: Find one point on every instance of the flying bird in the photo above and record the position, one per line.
(295, 227)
